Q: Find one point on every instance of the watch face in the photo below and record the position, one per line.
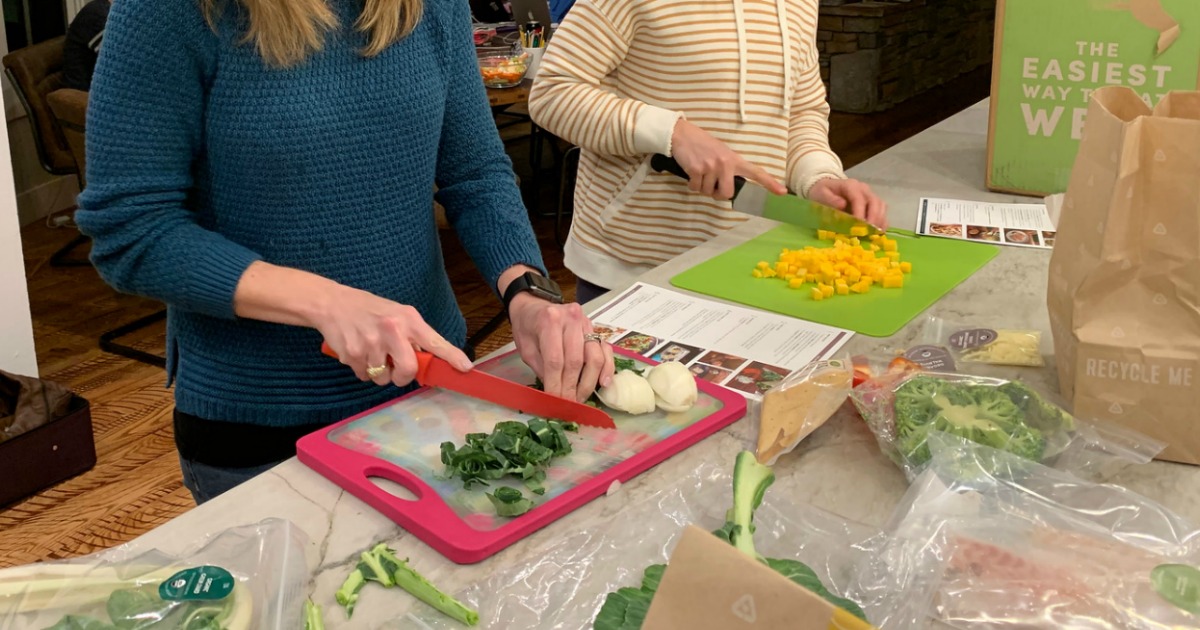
(544, 287)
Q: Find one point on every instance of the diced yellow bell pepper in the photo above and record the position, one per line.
(756, 273)
(858, 230)
(906, 267)
(843, 289)
(861, 287)
(795, 283)
(890, 245)
(827, 290)
(893, 282)
(817, 294)
(763, 264)
(875, 248)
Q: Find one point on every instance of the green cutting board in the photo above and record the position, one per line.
(939, 265)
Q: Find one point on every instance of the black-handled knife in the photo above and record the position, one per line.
(753, 200)
(664, 164)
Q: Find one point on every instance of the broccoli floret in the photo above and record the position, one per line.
(1038, 412)
(981, 413)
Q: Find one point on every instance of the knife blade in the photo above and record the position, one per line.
(433, 371)
(751, 198)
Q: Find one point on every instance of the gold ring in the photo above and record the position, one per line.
(375, 372)
(598, 338)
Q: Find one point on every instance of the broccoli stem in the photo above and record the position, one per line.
(347, 595)
(750, 482)
(312, 616)
(416, 584)
(375, 570)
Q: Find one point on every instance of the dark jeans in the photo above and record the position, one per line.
(207, 482)
(586, 291)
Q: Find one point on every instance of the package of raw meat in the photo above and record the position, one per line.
(1024, 546)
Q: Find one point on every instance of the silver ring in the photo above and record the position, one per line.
(597, 337)
(375, 372)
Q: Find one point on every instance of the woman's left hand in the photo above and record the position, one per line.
(552, 339)
(852, 196)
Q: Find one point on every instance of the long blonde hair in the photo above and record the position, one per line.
(286, 32)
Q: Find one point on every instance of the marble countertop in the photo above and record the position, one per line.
(841, 465)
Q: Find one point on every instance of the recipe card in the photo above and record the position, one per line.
(745, 350)
(1017, 224)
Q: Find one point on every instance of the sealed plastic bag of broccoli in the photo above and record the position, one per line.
(904, 410)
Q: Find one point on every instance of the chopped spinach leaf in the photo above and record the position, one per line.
(513, 449)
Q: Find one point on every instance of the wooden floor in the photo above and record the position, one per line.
(136, 483)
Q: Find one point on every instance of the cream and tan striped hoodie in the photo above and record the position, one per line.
(617, 76)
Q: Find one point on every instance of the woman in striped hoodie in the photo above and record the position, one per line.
(726, 87)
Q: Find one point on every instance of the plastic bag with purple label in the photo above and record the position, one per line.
(1021, 545)
(904, 409)
(968, 344)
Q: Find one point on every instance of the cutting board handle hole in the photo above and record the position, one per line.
(395, 489)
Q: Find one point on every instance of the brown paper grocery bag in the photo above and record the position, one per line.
(710, 585)
(1124, 287)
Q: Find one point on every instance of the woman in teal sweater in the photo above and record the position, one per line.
(264, 167)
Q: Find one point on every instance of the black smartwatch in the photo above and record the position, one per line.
(537, 284)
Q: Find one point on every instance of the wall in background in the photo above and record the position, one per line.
(879, 53)
(16, 328)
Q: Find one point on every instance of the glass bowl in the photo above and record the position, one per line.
(502, 67)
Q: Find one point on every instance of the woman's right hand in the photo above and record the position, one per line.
(711, 165)
(366, 331)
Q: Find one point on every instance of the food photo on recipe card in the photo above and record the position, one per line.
(742, 349)
(1016, 224)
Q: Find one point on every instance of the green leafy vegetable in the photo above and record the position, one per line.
(312, 616)
(513, 449)
(380, 565)
(509, 502)
(803, 575)
(621, 363)
(77, 622)
(347, 595)
(1011, 417)
(626, 608)
(750, 482)
(408, 579)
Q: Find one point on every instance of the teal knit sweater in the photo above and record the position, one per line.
(202, 160)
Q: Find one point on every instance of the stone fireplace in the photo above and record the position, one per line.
(878, 53)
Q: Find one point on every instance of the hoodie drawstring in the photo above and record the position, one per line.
(742, 62)
(785, 33)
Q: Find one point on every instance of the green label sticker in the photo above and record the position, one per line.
(198, 583)
(1178, 584)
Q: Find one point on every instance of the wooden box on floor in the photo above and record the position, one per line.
(53, 452)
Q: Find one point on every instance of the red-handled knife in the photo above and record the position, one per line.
(433, 371)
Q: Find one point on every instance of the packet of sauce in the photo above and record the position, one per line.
(993, 346)
(799, 405)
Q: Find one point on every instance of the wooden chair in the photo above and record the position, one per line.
(69, 111)
(36, 71)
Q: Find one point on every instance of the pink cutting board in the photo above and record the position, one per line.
(400, 442)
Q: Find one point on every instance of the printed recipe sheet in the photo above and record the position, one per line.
(742, 349)
(1018, 224)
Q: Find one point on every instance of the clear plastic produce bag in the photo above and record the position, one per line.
(1020, 545)
(564, 586)
(253, 577)
(903, 409)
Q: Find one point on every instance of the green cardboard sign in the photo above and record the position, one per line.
(1051, 54)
